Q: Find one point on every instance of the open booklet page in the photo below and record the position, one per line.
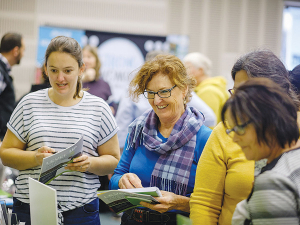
(153, 191)
(124, 199)
(53, 166)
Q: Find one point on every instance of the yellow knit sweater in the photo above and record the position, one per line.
(214, 93)
(224, 177)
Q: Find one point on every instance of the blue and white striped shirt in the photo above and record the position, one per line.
(37, 121)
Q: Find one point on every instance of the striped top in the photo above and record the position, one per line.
(37, 121)
(275, 195)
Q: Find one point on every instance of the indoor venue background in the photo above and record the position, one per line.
(221, 29)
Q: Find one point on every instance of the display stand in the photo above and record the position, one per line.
(43, 203)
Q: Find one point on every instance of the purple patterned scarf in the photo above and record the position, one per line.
(172, 169)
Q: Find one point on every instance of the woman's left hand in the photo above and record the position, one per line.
(168, 202)
(81, 164)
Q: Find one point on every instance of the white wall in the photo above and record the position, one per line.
(221, 29)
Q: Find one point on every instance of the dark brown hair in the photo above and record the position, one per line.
(9, 41)
(70, 46)
(168, 65)
(294, 76)
(271, 111)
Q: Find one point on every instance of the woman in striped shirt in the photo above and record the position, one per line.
(53, 119)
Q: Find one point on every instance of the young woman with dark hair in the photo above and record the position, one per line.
(53, 119)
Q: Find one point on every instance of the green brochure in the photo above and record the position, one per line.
(183, 220)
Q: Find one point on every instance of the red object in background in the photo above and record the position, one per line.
(38, 76)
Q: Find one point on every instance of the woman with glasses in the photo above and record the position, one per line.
(262, 120)
(224, 176)
(164, 144)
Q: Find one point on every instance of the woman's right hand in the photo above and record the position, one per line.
(130, 180)
(43, 152)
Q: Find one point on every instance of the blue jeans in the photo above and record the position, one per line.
(86, 215)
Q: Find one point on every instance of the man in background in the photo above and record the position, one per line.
(11, 51)
(212, 90)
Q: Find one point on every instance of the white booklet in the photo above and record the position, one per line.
(54, 165)
(153, 191)
(123, 199)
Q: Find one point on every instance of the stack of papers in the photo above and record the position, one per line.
(123, 199)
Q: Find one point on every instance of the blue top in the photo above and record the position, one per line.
(142, 161)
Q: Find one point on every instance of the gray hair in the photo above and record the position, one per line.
(264, 63)
(199, 60)
(151, 55)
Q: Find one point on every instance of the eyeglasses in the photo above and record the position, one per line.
(231, 91)
(166, 93)
(238, 129)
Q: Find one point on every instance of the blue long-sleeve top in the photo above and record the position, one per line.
(142, 161)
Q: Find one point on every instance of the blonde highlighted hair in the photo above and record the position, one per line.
(166, 64)
(93, 50)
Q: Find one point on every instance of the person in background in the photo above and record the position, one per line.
(212, 90)
(262, 119)
(92, 80)
(91, 76)
(52, 119)
(295, 78)
(224, 176)
(164, 144)
(129, 110)
(12, 49)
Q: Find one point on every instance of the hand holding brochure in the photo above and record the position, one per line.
(53, 166)
(153, 191)
(123, 199)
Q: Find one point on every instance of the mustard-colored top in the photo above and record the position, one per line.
(214, 93)
(224, 177)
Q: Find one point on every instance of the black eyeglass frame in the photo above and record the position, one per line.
(153, 92)
(237, 127)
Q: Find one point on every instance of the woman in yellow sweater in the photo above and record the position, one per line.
(224, 177)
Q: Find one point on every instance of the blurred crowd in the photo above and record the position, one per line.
(218, 156)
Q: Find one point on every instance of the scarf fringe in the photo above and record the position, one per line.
(168, 185)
